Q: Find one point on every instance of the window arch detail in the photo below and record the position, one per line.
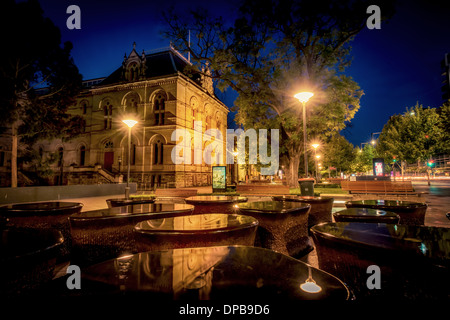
(159, 108)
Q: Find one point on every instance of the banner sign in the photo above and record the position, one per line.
(378, 166)
(219, 178)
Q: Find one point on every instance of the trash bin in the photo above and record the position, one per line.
(306, 187)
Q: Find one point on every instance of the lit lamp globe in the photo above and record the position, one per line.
(130, 123)
(303, 97)
(310, 286)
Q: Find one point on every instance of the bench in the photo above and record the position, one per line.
(175, 193)
(263, 189)
(379, 187)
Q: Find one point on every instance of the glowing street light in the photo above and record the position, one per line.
(303, 97)
(315, 146)
(130, 123)
(373, 141)
(310, 286)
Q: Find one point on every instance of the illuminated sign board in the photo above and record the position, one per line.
(378, 167)
(219, 178)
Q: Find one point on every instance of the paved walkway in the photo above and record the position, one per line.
(438, 203)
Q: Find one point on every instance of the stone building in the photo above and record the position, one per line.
(156, 89)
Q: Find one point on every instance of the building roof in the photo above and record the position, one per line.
(159, 63)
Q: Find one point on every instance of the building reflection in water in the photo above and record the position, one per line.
(176, 272)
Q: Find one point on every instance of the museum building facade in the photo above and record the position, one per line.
(162, 91)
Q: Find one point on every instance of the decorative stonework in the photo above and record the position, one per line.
(160, 104)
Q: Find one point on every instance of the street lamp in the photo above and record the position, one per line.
(130, 123)
(315, 146)
(236, 172)
(373, 141)
(317, 170)
(303, 97)
(361, 146)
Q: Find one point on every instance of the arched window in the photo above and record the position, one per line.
(107, 116)
(109, 145)
(159, 109)
(155, 153)
(82, 155)
(84, 107)
(131, 102)
(194, 106)
(208, 123)
(158, 152)
(133, 72)
(219, 125)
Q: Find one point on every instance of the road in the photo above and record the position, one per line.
(438, 200)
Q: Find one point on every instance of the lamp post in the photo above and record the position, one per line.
(315, 146)
(372, 140)
(130, 123)
(303, 97)
(361, 146)
(317, 168)
(236, 168)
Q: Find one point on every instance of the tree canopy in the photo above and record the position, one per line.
(338, 153)
(416, 135)
(274, 49)
(38, 78)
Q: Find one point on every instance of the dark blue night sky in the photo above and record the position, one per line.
(396, 66)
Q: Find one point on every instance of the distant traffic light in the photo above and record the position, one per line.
(430, 163)
(394, 159)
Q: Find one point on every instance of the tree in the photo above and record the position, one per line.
(363, 161)
(38, 79)
(415, 136)
(273, 50)
(338, 153)
(444, 115)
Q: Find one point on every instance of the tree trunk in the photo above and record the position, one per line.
(403, 177)
(292, 174)
(14, 155)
